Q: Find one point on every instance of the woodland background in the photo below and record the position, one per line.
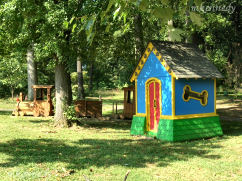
(85, 45)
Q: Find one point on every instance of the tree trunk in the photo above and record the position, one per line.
(237, 46)
(90, 85)
(237, 67)
(138, 34)
(187, 24)
(69, 96)
(31, 69)
(12, 92)
(170, 23)
(234, 68)
(61, 94)
(81, 92)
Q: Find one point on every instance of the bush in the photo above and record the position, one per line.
(70, 113)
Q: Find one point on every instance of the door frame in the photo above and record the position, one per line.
(147, 83)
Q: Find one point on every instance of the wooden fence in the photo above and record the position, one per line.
(88, 108)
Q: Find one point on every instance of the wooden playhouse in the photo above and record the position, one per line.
(175, 89)
(40, 106)
(129, 102)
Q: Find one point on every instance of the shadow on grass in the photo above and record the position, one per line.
(39, 121)
(232, 128)
(136, 152)
(5, 112)
(111, 101)
(230, 98)
(233, 113)
(103, 152)
(98, 124)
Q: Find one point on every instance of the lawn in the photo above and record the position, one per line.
(7, 104)
(108, 97)
(33, 149)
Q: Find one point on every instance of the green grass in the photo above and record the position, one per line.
(7, 104)
(109, 97)
(32, 149)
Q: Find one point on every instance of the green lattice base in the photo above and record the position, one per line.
(188, 129)
(179, 129)
(138, 126)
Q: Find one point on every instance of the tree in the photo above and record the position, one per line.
(108, 36)
(12, 72)
(61, 87)
(31, 70)
(56, 40)
(138, 33)
(81, 93)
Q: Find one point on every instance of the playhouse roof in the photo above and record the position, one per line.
(181, 60)
(42, 86)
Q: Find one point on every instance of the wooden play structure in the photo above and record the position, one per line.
(88, 108)
(175, 93)
(42, 100)
(23, 107)
(129, 102)
(40, 106)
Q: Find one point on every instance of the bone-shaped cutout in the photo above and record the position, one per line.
(189, 94)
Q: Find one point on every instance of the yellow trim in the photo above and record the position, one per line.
(136, 107)
(155, 51)
(188, 116)
(142, 59)
(182, 116)
(206, 100)
(140, 114)
(150, 48)
(147, 83)
(215, 96)
(173, 97)
(190, 90)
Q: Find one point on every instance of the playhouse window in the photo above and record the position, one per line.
(41, 94)
(130, 97)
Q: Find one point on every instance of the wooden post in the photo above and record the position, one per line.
(41, 94)
(116, 108)
(21, 97)
(124, 108)
(85, 107)
(34, 94)
(113, 109)
(48, 95)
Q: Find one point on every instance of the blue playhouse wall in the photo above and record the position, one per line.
(153, 68)
(194, 106)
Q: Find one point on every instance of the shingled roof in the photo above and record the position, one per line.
(184, 60)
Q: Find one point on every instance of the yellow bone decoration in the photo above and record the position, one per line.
(189, 94)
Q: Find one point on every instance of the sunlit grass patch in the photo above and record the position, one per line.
(33, 149)
(7, 104)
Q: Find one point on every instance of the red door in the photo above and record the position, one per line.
(154, 95)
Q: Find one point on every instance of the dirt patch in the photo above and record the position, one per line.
(230, 110)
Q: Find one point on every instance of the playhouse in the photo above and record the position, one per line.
(40, 106)
(129, 102)
(175, 89)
